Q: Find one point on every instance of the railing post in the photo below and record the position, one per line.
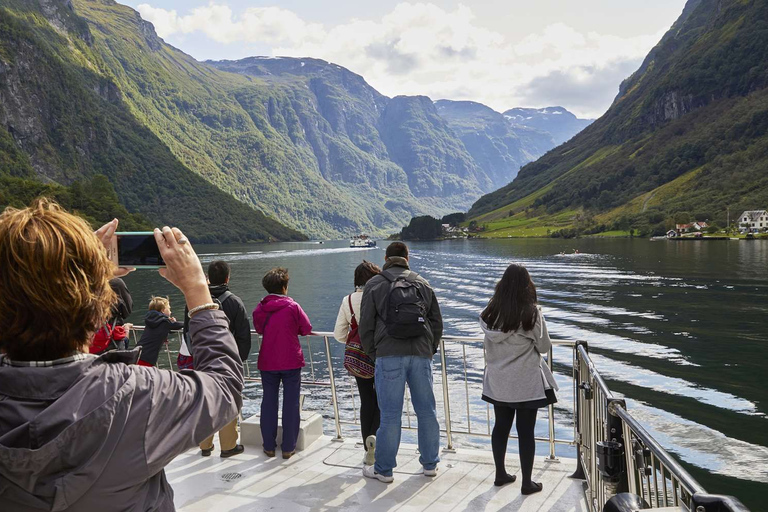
(577, 424)
(333, 390)
(551, 419)
(446, 401)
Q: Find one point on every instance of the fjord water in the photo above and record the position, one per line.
(678, 328)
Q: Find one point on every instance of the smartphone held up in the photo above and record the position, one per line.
(135, 249)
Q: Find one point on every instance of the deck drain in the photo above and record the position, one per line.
(230, 477)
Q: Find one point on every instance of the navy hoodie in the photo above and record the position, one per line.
(156, 328)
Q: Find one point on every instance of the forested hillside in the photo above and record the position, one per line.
(65, 119)
(687, 135)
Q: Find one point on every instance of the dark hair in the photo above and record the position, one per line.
(218, 272)
(397, 249)
(364, 272)
(276, 280)
(513, 303)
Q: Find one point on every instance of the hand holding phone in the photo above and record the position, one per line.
(135, 249)
(183, 267)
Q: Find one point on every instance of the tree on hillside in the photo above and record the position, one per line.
(422, 228)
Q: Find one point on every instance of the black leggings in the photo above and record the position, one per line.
(369, 408)
(526, 421)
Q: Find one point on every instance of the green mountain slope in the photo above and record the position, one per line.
(65, 112)
(698, 103)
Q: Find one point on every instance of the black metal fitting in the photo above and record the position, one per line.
(610, 460)
(625, 502)
(703, 502)
(587, 390)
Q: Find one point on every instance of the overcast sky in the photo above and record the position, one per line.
(531, 53)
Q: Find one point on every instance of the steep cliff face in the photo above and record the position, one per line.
(67, 114)
(687, 132)
(499, 143)
(421, 142)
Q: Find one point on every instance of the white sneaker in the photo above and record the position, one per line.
(369, 472)
(370, 454)
(430, 472)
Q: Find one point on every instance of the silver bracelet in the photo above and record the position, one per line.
(210, 305)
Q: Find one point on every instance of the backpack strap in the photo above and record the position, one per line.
(224, 296)
(351, 309)
(411, 276)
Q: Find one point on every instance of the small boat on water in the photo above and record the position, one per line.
(362, 241)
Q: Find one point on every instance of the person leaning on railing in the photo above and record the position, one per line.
(81, 432)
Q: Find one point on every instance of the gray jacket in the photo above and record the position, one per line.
(373, 336)
(514, 369)
(89, 435)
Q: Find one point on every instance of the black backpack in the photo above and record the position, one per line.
(406, 315)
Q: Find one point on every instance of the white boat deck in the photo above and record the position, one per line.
(328, 476)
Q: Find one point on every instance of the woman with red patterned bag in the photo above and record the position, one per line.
(356, 361)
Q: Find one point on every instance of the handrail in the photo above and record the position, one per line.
(448, 419)
(617, 454)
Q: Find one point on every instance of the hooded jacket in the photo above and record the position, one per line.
(373, 334)
(515, 371)
(89, 435)
(239, 324)
(157, 325)
(280, 320)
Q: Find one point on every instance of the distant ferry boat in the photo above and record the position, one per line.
(362, 241)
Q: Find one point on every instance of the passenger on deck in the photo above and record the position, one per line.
(123, 307)
(400, 328)
(80, 432)
(280, 321)
(158, 323)
(356, 361)
(517, 381)
(240, 327)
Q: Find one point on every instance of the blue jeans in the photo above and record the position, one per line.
(391, 375)
(270, 382)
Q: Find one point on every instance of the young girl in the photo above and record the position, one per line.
(349, 312)
(280, 321)
(516, 381)
(157, 324)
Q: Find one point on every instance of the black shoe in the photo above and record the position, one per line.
(238, 449)
(288, 455)
(206, 453)
(269, 453)
(531, 488)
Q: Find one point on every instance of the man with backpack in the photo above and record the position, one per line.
(400, 328)
(240, 327)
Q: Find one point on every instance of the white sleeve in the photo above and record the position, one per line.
(341, 330)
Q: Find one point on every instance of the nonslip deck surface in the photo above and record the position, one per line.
(328, 476)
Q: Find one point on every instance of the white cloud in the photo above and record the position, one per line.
(421, 48)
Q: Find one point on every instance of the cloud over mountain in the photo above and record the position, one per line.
(421, 48)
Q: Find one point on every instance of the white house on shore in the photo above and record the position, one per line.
(754, 220)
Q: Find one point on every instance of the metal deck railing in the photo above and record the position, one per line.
(616, 455)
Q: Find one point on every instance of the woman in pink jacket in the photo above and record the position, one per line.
(280, 321)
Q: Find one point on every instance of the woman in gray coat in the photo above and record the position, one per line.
(80, 432)
(516, 380)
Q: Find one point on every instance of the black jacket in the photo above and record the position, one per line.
(124, 305)
(156, 329)
(373, 335)
(239, 325)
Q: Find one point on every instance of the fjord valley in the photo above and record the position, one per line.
(687, 134)
(267, 148)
